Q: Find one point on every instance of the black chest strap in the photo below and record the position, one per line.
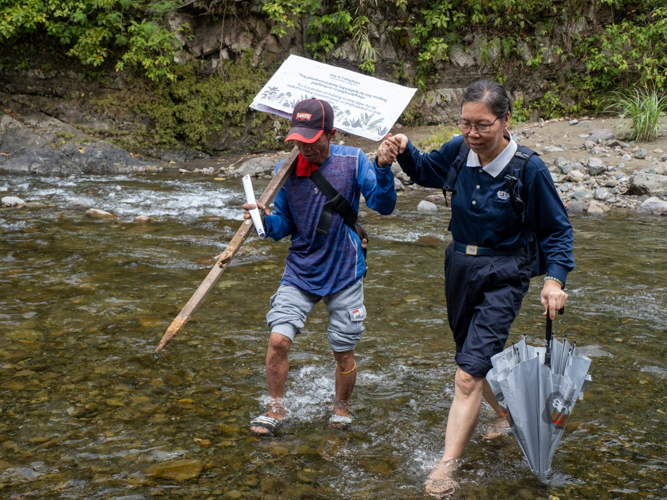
(336, 203)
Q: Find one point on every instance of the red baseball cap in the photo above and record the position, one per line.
(310, 119)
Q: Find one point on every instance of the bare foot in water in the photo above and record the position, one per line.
(441, 483)
(499, 427)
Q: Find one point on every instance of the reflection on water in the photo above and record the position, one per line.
(86, 410)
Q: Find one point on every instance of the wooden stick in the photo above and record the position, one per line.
(239, 238)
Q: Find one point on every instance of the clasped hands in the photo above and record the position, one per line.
(391, 147)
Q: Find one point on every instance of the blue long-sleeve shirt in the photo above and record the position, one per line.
(482, 212)
(320, 264)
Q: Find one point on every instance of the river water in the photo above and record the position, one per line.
(87, 411)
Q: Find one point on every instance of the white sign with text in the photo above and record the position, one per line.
(363, 105)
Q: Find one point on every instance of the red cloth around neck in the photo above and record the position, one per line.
(304, 168)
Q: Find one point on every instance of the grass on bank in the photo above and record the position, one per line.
(437, 139)
(643, 106)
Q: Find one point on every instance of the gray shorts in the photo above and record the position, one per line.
(291, 306)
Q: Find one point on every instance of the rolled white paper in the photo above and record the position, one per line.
(254, 213)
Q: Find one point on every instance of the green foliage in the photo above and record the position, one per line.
(93, 30)
(644, 106)
(630, 50)
(193, 110)
(435, 141)
(328, 25)
(520, 114)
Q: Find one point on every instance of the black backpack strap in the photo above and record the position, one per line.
(454, 169)
(336, 203)
(515, 179)
(516, 172)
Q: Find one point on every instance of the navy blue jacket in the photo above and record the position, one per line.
(482, 213)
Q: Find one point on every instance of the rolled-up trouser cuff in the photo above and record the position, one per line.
(286, 330)
(472, 365)
(342, 342)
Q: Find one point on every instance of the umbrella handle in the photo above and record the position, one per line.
(561, 311)
(547, 354)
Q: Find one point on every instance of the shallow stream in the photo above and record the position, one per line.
(87, 411)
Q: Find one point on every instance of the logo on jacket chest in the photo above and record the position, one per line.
(503, 195)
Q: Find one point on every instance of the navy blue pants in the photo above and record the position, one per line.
(484, 295)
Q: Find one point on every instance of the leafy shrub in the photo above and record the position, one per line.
(93, 30)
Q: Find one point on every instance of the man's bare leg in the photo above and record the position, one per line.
(500, 426)
(346, 378)
(277, 368)
(461, 423)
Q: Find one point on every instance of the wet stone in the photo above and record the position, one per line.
(173, 380)
(99, 214)
(178, 470)
(576, 207)
(427, 207)
(655, 370)
(279, 451)
(269, 485)
(229, 430)
(527, 494)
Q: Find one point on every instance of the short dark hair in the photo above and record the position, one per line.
(490, 93)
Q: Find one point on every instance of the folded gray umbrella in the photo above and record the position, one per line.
(537, 388)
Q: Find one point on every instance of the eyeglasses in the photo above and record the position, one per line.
(481, 128)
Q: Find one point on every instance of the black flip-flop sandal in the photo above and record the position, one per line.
(265, 422)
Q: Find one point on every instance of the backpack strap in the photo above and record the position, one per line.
(454, 169)
(338, 204)
(516, 172)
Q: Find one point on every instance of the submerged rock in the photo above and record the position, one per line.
(427, 206)
(593, 351)
(77, 204)
(655, 370)
(12, 201)
(178, 470)
(99, 214)
(436, 198)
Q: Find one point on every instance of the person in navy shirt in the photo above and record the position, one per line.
(320, 267)
(487, 268)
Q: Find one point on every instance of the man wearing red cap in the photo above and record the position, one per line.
(318, 208)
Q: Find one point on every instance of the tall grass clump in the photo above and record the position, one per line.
(644, 106)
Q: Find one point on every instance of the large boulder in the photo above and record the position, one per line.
(258, 166)
(648, 184)
(48, 146)
(653, 206)
(601, 134)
